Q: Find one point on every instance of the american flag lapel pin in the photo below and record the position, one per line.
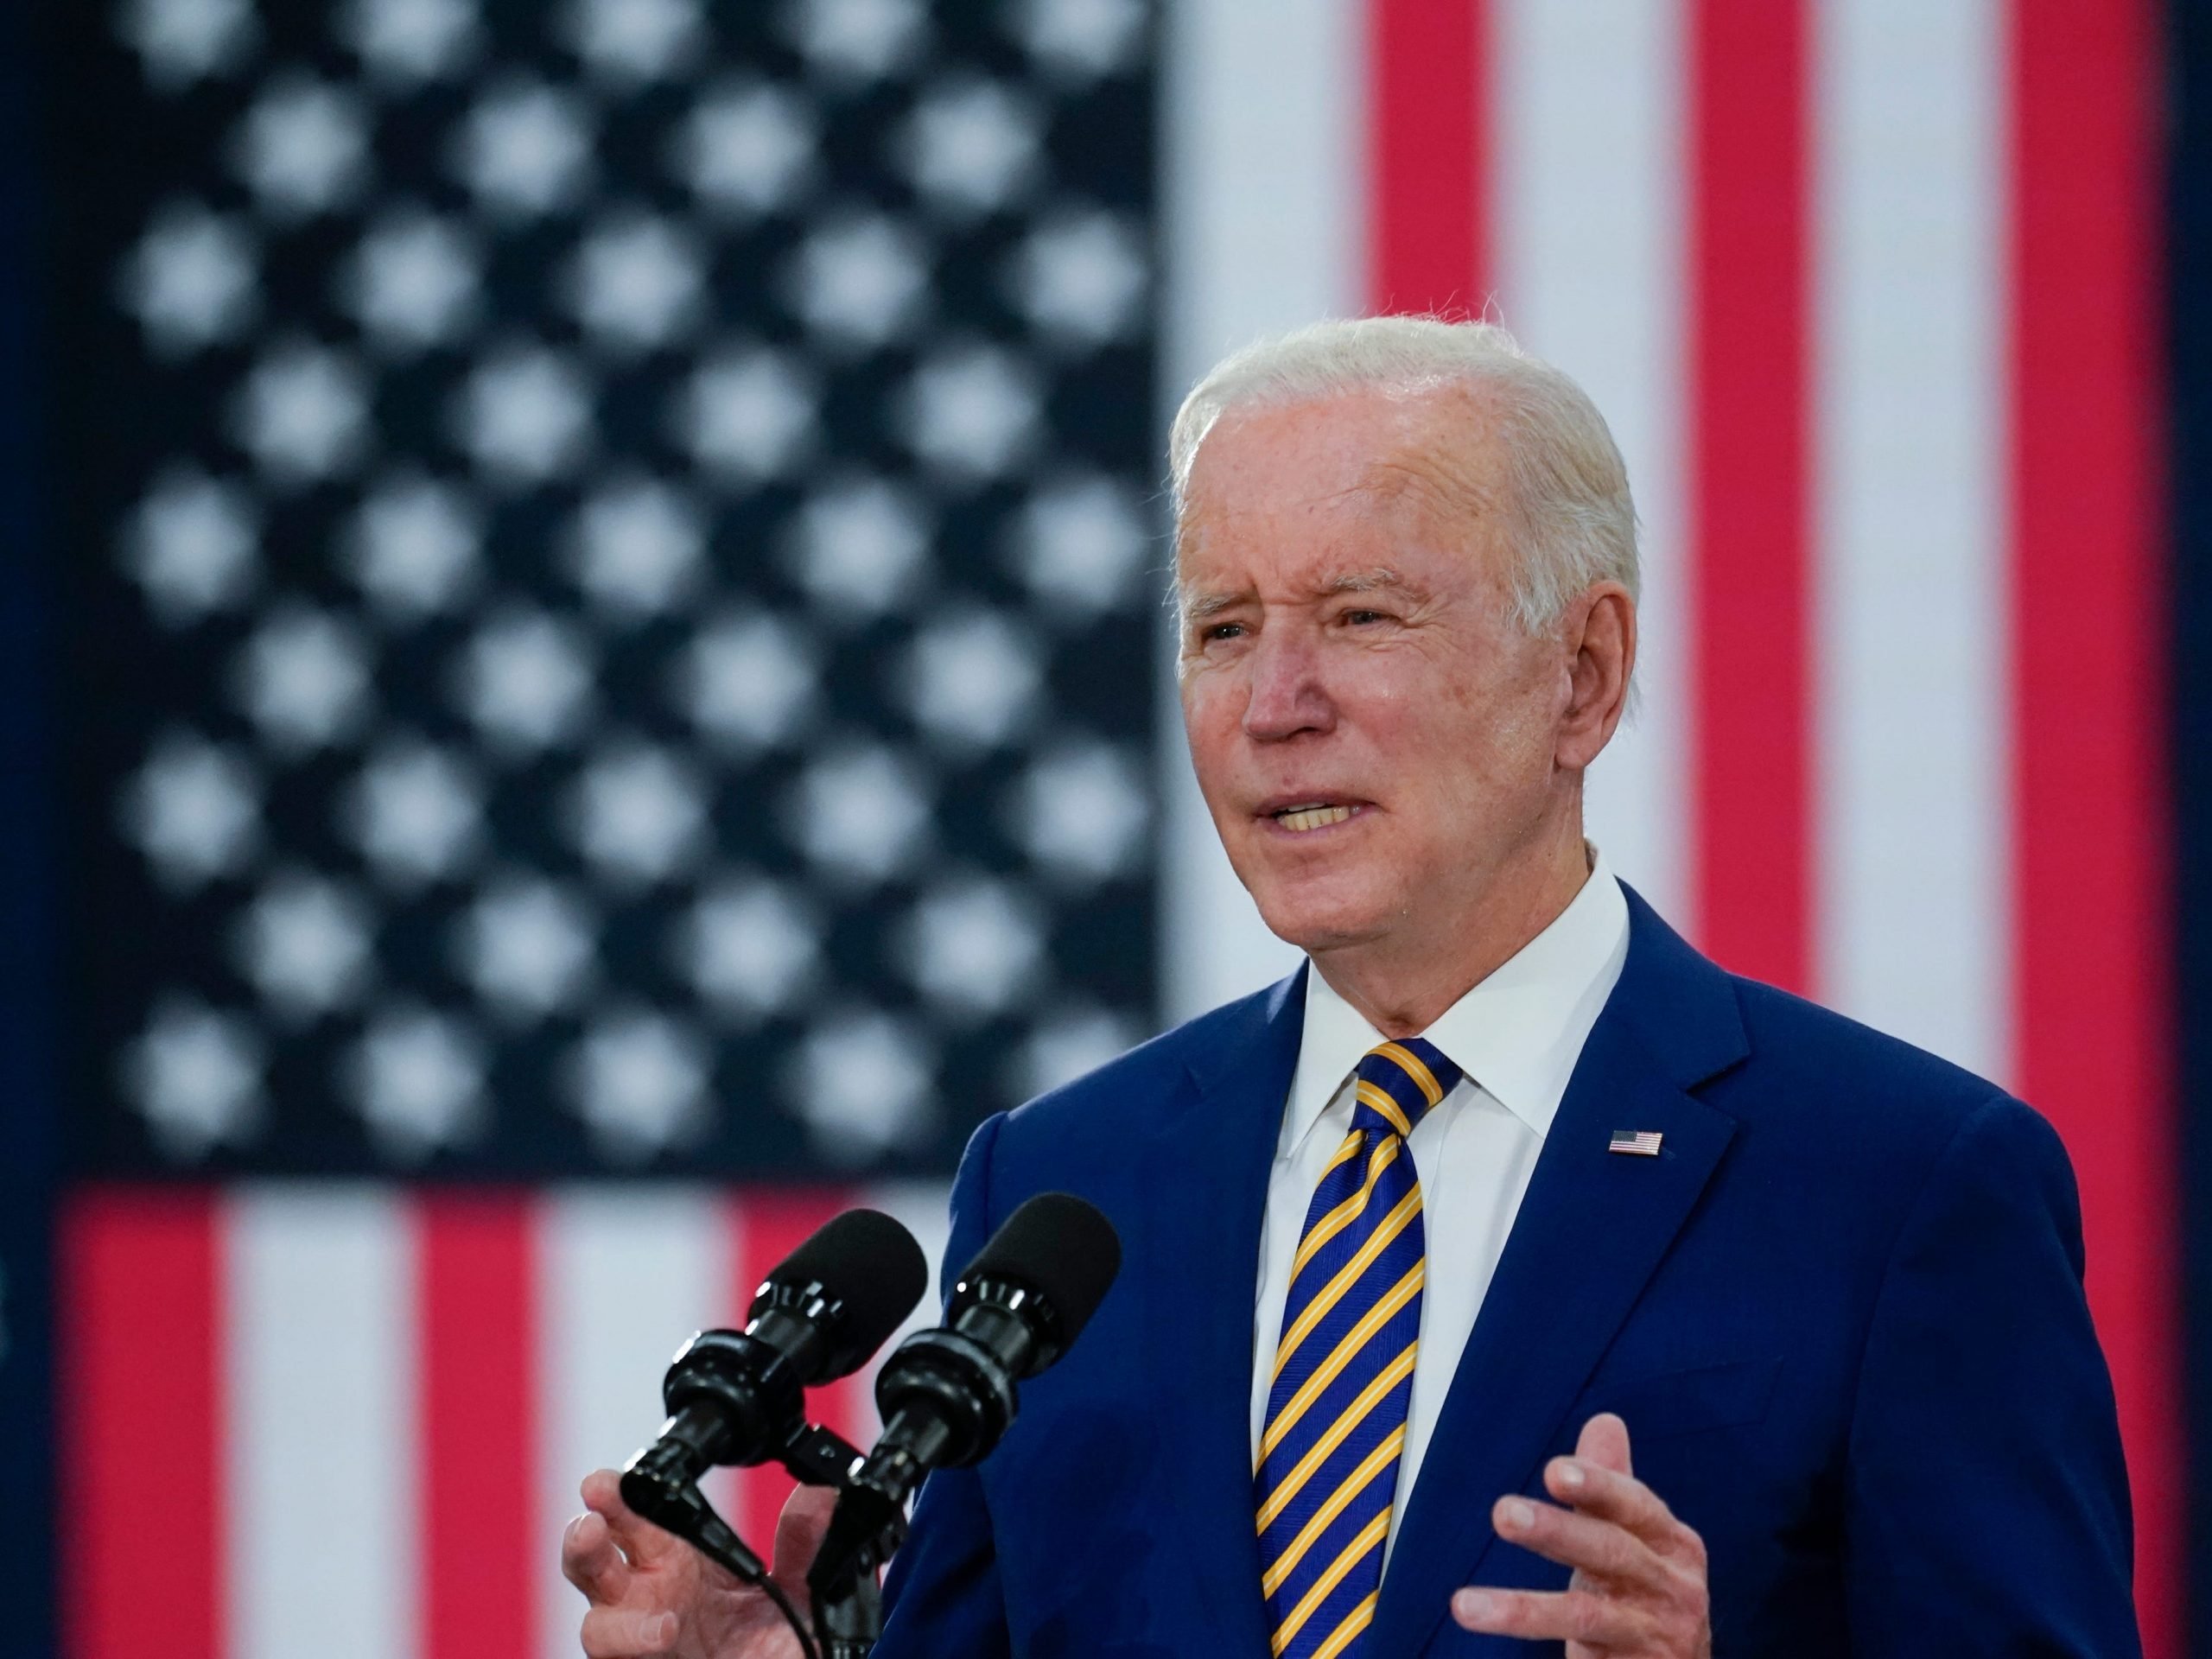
(1637, 1143)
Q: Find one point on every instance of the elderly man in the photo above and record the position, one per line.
(1510, 1271)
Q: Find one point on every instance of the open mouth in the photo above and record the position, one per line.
(1312, 815)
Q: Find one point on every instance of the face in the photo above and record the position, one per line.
(1377, 740)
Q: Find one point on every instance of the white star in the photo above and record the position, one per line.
(304, 678)
(973, 947)
(415, 812)
(303, 148)
(525, 415)
(180, 40)
(408, 42)
(524, 149)
(971, 680)
(1081, 39)
(417, 1079)
(633, 40)
(747, 413)
(638, 1081)
(527, 946)
(748, 681)
(196, 1076)
(862, 1084)
(190, 282)
(971, 146)
(412, 282)
(749, 948)
(638, 546)
(860, 813)
(1080, 278)
(746, 148)
(972, 413)
(304, 942)
(638, 814)
(193, 810)
(1078, 544)
(524, 681)
(858, 546)
(635, 282)
(191, 544)
(1066, 1046)
(412, 546)
(1081, 811)
(859, 282)
(302, 413)
(856, 40)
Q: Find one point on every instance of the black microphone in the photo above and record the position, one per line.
(947, 1396)
(739, 1397)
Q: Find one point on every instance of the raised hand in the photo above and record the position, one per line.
(1638, 1590)
(652, 1594)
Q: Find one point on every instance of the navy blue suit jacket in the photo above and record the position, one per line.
(1841, 1313)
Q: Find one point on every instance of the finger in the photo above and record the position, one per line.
(1609, 1552)
(1605, 1442)
(798, 1532)
(623, 1632)
(590, 1562)
(1554, 1615)
(1622, 1499)
(636, 1537)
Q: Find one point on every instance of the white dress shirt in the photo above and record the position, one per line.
(1515, 1037)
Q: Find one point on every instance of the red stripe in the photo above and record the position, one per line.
(2088, 678)
(473, 1291)
(1427, 128)
(1747, 356)
(142, 1424)
(770, 1222)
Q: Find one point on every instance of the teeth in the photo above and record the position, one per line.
(1312, 817)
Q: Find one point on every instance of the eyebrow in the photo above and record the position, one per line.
(1199, 606)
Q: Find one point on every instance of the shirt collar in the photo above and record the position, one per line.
(1516, 1034)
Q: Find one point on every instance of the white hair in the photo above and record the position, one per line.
(1571, 518)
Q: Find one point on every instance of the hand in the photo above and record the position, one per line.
(1638, 1590)
(651, 1593)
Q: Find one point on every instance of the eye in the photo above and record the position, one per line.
(1214, 631)
(1361, 618)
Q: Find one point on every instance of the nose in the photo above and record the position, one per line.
(1288, 694)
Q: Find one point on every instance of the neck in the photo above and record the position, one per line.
(1403, 985)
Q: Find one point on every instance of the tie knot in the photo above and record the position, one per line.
(1399, 1082)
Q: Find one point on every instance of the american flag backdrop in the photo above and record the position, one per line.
(615, 699)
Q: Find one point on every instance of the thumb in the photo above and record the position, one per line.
(1605, 1442)
(798, 1532)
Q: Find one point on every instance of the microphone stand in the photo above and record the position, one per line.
(848, 1613)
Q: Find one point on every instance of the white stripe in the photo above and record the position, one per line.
(1589, 201)
(322, 1550)
(1262, 207)
(625, 1276)
(1913, 853)
(924, 1208)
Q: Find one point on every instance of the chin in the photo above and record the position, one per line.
(1315, 922)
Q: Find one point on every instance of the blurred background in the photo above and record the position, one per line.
(582, 677)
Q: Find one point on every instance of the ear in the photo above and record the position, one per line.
(1599, 634)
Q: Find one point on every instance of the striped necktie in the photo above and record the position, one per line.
(1336, 1427)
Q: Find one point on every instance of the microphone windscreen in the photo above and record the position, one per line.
(866, 1261)
(1060, 1247)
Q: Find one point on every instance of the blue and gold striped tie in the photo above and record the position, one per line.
(1345, 1366)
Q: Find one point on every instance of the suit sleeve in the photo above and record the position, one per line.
(942, 1595)
(1987, 1507)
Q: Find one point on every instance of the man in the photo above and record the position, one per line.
(1510, 1271)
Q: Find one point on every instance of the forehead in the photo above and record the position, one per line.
(1313, 492)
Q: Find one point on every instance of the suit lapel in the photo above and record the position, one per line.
(1591, 1231)
(1207, 1183)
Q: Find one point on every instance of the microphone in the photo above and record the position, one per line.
(947, 1396)
(739, 1397)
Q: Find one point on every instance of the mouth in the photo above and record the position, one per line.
(1303, 816)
